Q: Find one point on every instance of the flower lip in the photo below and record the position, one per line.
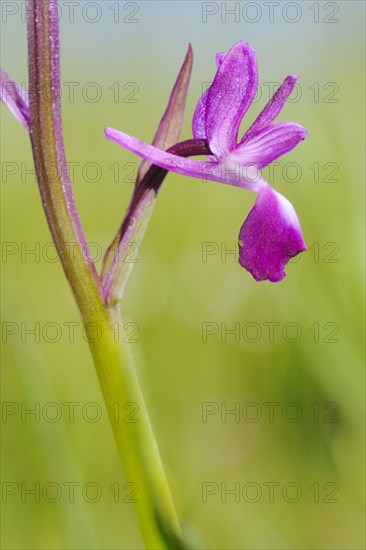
(270, 236)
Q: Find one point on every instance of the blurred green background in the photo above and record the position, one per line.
(310, 374)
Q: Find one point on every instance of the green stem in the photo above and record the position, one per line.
(135, 438)
(113, 360)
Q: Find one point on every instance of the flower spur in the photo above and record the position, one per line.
(271, 234)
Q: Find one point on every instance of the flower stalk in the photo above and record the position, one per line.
(45, 130)
(113, 360)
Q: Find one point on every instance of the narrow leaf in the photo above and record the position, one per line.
(171, 123)
(116, 271)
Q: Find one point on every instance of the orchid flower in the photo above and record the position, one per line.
(271, 234)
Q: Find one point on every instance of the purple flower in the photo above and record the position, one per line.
(271, 234)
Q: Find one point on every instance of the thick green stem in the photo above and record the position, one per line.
(136, 443)
(133, 432)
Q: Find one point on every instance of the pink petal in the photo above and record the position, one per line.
(270, 143)
(199, 117)
(229, 97)
(270, 236)
(232, 174)
(273, 107)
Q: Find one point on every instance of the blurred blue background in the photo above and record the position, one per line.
(293, 450)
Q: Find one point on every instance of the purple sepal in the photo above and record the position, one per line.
(273, 107)
(15, 98)
(270, 143)
(229, 97)
(230, 172)
(270, 236)
(199, 117)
